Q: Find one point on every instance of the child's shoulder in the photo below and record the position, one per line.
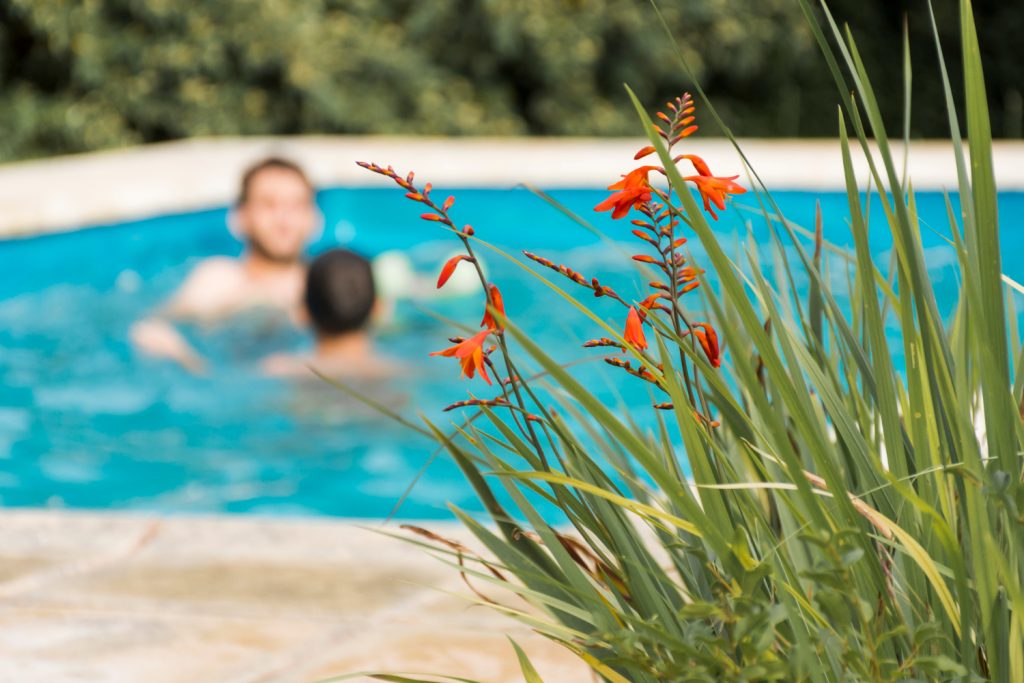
(285, 365)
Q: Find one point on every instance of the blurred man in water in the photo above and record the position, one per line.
(276, 214)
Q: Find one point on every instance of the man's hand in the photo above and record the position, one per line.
(158, 338)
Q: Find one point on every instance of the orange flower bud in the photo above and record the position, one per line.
(645, 237)
(449, 268)
(494, 299)
(710, 423)
(431, 217)
(448, 203)
(708, 339)
(539, 259)
(644, 151)
(603, 341)
(649, 302)
(478, 402)
(689, 287)
(634, 333)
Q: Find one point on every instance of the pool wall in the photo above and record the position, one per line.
(66, 193)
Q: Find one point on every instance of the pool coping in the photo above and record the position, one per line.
(71, 192)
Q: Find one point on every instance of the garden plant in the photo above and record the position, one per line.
(807, 510)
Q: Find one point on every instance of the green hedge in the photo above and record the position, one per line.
(81, 76)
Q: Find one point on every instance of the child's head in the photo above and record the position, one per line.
(340, 293)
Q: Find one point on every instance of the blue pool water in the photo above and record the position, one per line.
(87, 423)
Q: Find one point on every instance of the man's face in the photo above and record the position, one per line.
(279, 214)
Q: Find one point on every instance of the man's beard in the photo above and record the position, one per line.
(261, 250)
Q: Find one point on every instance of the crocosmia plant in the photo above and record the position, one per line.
(809, 506)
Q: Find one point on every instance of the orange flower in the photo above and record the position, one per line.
(711, 188)
(497, 304)
(633, 189)
(634, 334)
(715, 190)
(708, 339)
(470, 353)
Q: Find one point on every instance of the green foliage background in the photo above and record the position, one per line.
(79, 75)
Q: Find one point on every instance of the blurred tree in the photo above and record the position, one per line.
(89, 74)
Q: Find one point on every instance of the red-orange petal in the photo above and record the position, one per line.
(497, 303)
(610, 203)
(634, 333)
(699, 164)
(449, 268)
(470, 354)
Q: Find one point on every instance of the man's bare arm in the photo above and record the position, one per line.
(211, 292)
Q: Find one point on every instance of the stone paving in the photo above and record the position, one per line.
(125, 598)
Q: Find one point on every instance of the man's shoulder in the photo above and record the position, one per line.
(211, 290)
(217, 268)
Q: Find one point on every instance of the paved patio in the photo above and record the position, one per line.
(111, 598)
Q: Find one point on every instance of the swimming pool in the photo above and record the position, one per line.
(87, 423)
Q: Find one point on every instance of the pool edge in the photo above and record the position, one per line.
(67, 193)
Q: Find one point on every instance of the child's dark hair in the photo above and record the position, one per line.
(339, 291)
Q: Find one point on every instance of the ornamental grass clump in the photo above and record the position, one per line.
(805, 510)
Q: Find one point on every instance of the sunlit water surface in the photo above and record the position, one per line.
(85, 422)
